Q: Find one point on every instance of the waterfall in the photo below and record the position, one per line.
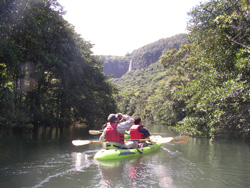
(130, 66)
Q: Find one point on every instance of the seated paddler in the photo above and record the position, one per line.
(113, 134)
(139, 131)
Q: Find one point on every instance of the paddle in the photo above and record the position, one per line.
(95, 132)
(178, 139)
(84, 142)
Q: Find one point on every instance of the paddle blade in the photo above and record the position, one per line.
(165, 140)
(161, 139)
(80, 142)
(95, 132)
(180, 139)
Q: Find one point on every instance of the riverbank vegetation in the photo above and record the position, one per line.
(204, 88)
(197, 83)
(214, 70)
(48, 73)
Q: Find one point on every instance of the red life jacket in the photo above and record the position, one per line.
(112, 135)
(135, 134)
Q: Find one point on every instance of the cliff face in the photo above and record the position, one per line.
(115, 65)
(116, 69)
(142, 57)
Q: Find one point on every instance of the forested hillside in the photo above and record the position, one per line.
(143, 87)
(145, 56)
(198, 84)
(204, 86)
(142, 57)
(48, 76)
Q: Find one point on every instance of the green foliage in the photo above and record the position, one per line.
(142, 57)
(204, 88)
(48, 73)
(147, 92)
(219, 30)
(145, 56)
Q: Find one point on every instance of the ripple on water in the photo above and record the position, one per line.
(65, 166)
(200, 172)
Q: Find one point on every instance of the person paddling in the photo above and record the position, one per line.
(113, 134)
(139, 131)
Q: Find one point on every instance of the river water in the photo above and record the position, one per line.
(48, 159)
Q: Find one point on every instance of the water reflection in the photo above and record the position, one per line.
(48, 159)
(81, 160)
(109, 170)
(163, 174)
(77, 160)
(136, 172)
(202, 163)
(60, 168)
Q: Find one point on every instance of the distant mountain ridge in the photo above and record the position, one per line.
(142, 57)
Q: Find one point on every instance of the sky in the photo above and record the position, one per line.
(118, 27)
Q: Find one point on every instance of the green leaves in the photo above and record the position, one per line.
(55, 79)
(218, 96)
(204, 89)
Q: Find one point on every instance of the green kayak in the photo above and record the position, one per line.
(104, 154)
(126, 136)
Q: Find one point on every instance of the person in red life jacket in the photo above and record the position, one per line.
(113, 134)
(139, 131)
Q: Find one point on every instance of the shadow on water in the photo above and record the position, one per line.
(72, 166)
(47, 158)
(26, 156)
(202, 163)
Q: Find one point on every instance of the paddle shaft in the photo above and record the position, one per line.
(95, 132)
(178, 139)
(138, 140)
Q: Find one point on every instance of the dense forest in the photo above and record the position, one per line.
(143, 91)
(49, 76)
(196, 83)
(200, 88)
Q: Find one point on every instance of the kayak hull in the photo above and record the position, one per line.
(126, 136)
(104, 154)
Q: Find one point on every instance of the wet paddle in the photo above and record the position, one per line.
(95, 132)
(84, 142)
(178, 139)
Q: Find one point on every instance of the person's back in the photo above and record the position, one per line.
(135, 133)
(114, 132)
(113, 138)
(138, 131)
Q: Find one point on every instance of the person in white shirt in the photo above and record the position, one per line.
(113, 134)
